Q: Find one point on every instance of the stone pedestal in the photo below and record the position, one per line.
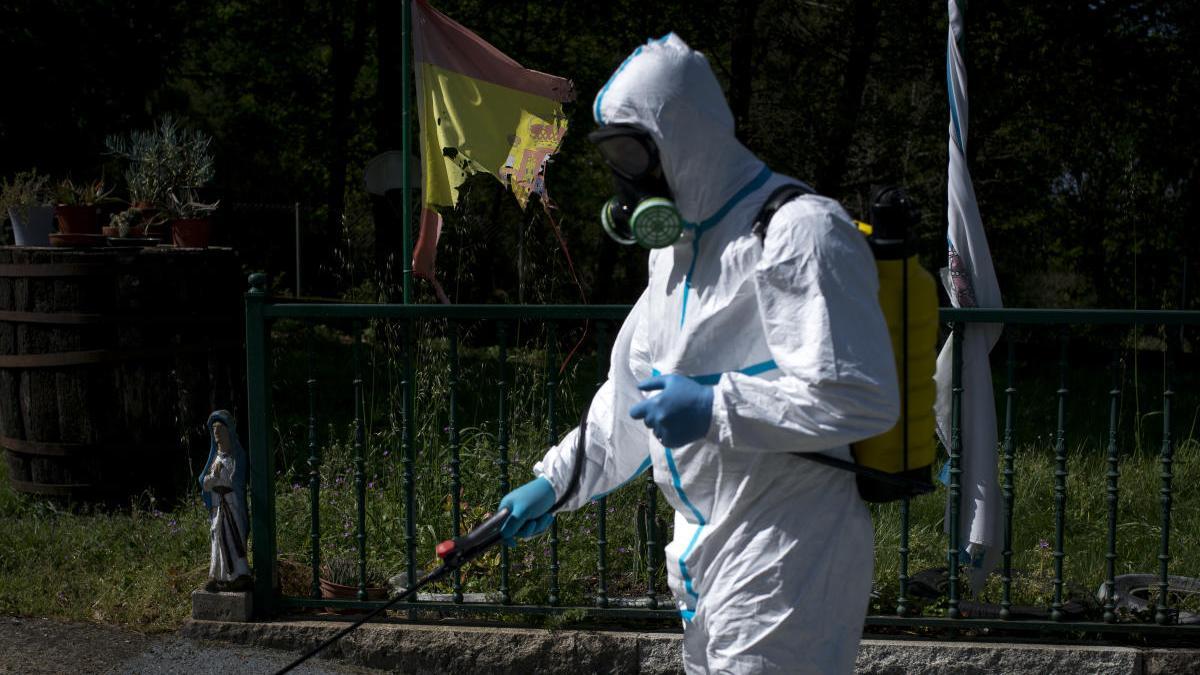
(236, 607)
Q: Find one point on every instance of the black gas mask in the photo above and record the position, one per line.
(642, 211)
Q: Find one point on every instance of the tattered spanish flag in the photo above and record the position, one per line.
(478, 110)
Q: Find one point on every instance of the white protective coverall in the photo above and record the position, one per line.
(771, 560)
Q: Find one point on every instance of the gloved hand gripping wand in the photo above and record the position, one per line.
(459, 551)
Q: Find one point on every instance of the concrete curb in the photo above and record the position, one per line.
(415, 648)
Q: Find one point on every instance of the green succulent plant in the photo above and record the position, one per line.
(134, 217)
(182, 204)
(69, 193)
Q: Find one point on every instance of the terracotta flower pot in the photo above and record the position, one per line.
(332, 591)
(77, 219)
(191, 232)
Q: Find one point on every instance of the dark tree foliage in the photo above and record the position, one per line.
(1082, 139)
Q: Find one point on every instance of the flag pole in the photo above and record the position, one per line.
(405, 150)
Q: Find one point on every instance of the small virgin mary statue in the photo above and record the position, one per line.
(223, 485)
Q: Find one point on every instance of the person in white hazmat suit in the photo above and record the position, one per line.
(738, 353)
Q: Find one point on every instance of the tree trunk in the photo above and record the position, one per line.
(389, 86)
(742, 66)
(864, 33)
(345, 62)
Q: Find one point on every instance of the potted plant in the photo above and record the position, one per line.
(76, 206)
(130, 227)
(26, 201)
(339, 581)
(160, 159)
(190, 224)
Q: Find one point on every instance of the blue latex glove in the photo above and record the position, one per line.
(679, 415)
(528, 507)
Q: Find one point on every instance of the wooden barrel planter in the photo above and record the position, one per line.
(110, 362)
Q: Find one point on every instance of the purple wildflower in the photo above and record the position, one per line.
(1043, 544)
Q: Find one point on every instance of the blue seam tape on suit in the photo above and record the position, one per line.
(758, 181)
(677, 482)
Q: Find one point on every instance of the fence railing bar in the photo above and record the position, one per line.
(1065, 628)
(1113, 475)
(551, 439)
(1060, 481)
(360, 478)
(1010, 406)
(314, 464)
(455, 462)
(408, 447)
(651, 538)
(602, 552)
(954, 549)
(1162, 614)
(509, 313)
(602, 503)
(902, 607)
(316, 310)
(491, 608)
(1065, 317)
(905, 502)
(502, 446)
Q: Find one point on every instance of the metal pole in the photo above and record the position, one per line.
(405, 135)
(262, 468)
(297, 249)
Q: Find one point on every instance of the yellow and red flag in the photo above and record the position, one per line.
(478, 110)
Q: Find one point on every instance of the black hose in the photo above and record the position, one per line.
(580, 458)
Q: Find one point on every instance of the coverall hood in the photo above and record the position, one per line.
(668, 89)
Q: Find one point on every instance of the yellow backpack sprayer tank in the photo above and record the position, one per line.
(897, 463)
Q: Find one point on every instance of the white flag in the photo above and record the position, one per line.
(970, 282)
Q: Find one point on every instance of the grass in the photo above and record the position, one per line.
(132, 567)
(136, 566)
(1139, 526)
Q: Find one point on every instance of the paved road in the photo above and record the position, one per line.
(43, 647)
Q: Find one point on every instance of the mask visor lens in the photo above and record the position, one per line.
(629, 155)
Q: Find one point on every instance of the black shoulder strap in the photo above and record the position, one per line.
(782, 195)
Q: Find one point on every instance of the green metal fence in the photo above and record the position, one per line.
(956, 614)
